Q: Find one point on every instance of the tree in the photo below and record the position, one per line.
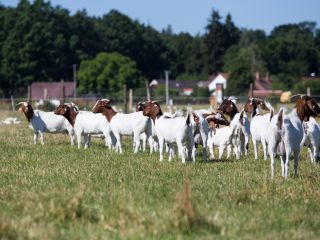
(107, 73)
(218, 38)
(238, 64)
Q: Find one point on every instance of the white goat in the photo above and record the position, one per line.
(259, 123)
(48, 122)
(177, 130)
(288, 130)
(311, 138)
(124, 124)
(228, 136)
(86, 124)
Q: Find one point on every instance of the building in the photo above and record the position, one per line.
(219, 79)
(262, 87)
(52, 90)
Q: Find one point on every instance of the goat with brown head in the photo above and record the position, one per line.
(253, 103)
(307, 107)
(228, 107)
(103, 106)
(27, 109)
(68, 111)
(152, 109)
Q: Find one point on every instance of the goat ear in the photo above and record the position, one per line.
(280, 119)
(271, 115)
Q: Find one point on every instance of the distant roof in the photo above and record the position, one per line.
(224, 75)
(42, 90)
(310, 78)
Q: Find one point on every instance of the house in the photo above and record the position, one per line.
(52, 90)
(220, 78)
(262, 87)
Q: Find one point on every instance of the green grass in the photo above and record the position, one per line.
(58, 192)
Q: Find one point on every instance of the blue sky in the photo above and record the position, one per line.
(192, 15)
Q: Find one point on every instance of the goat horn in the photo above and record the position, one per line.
(21, 103)
(301, 95)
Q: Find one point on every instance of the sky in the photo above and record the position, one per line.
(192, 15)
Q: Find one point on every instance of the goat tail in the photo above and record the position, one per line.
(189, 115)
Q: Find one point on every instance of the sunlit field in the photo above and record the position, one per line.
(59, 192)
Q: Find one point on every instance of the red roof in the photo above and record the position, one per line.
(43, 90)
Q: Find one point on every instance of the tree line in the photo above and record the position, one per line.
(41, 42)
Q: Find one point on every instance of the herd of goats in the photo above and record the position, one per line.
(282, 134)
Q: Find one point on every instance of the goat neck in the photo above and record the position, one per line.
(70, 114)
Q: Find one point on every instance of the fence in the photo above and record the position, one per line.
(86, 103)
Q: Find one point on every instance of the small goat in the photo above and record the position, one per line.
(229, 108)
(86, 123)
(259, 123)
(48, 122)
(171, 130)
(229, 136)
(123, 124)
(287, 132)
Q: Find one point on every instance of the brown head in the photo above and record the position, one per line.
(216, 119)
(27, 109)
(307, 107)
(228, 107)
(103, 106)
(253, 104)
(152, 109)
(68, 111)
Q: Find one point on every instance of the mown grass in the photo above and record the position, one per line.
(58, 192)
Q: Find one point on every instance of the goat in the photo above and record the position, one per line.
(311, 138)
(229, 108)
(48, 122)
(203, 123)
(229, 136)
(259, 123)
(123, 124)
(86, 123)
(286, 131)
(171, 130)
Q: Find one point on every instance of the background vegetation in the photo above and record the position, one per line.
(41, 42)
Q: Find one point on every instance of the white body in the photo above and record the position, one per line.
(311, 138)
(258, 129)
(175, 131)
(229, 136)
(290, 136)
(51, 123)
(130, 124)
(88, 123)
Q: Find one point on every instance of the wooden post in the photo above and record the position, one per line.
(29, 93)
(148, 91)
(130, 100)
(125, 109)
(12, 103)
(308, 91)
(251, 90)
(62, 91)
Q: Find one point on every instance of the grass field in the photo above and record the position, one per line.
(58, 192)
